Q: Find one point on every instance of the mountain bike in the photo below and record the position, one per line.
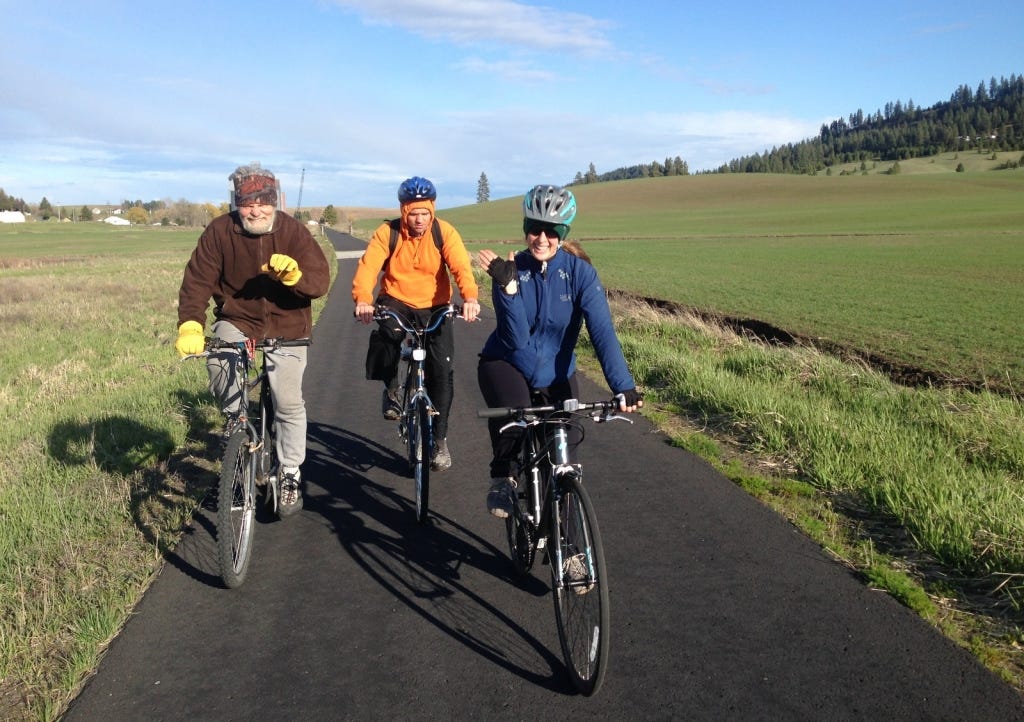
(416, 424)
(554, 516)
(250, 456)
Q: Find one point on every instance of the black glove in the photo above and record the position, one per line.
(502, 271)
(630, 397)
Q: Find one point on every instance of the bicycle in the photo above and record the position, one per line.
(553, 515)
(416, 423)
(250, 457)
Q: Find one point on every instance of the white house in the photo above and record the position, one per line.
(117, 221)
(12, 217)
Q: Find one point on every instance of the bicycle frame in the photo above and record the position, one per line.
(249, 456)
(416, 424)
(553, 512)
(254, 376)
(414, 349)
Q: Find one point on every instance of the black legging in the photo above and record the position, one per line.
(440, 357)
(502, 384)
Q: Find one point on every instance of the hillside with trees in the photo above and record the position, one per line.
(987, 119)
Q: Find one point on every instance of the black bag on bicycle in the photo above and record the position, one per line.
(381, 358)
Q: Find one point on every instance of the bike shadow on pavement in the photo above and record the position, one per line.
(437, 569)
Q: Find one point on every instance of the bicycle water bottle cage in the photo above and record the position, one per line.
(418, 354)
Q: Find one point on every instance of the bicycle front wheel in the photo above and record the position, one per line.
(580, 587)
(420, 443)
(236, 509)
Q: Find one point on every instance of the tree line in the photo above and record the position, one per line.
(157, 212)
(654, 169)
(988, 118)
(10, 203)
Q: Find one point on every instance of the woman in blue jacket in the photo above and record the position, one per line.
(542, 296)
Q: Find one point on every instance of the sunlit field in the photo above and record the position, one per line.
(925, 270)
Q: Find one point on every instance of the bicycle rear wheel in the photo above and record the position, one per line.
(580, 587)
(520, 532)
(236, 509)
(420, 444)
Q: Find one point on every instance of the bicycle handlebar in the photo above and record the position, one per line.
(382, 313)
(267, 344)
(600, 410)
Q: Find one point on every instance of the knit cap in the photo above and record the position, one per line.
(254, 184)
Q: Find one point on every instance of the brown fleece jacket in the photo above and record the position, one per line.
(225, 266)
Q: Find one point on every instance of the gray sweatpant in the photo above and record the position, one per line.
(285, 369)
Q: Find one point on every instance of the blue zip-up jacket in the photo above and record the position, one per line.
(539, 325)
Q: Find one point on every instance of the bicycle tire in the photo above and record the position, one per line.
(420, 445)
(236, 509)
(580, 587)
(521, 534)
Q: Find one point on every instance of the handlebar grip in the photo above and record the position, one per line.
(495, 413)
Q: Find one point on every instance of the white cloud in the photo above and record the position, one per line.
(362, 165)
(474, 22)
(513, 70)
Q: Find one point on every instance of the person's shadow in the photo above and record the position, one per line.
(422, 565)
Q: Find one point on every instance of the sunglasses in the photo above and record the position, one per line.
(535, 228)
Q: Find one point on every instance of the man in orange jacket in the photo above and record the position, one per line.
(416, 282)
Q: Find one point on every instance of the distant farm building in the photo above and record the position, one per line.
(116, 221)
(12, 217)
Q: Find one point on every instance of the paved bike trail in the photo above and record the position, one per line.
(720, 609)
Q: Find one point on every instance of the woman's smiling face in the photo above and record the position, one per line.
(542, 240)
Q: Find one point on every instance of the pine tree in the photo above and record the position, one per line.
(483, 189)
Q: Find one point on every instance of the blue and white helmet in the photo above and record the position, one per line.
(416, 189)
(549, 204)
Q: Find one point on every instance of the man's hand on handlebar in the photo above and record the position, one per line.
(364, 312)
(471, 309)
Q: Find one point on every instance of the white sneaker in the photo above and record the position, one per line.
(291, 492)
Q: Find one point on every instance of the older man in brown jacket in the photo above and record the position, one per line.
(262, 269)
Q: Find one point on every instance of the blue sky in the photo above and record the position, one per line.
(110, 100)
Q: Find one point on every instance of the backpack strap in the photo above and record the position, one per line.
(396, 223)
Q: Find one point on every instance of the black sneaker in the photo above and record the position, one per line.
(442, 458)
(391, 404)
(501, 497)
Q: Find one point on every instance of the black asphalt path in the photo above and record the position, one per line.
(720, 609)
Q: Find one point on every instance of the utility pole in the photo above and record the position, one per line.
(298, 204)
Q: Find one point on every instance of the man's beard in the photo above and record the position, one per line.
(259, 227)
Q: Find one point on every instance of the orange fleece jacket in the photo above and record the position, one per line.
(416, 274)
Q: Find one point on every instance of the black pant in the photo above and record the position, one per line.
(440, 357)
(502, 384)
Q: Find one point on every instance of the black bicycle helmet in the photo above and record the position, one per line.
(416, 189)
(549, 204)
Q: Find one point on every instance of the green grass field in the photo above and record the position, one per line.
(923, 269)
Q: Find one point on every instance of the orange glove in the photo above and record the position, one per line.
(190, 338)
(284, 268)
